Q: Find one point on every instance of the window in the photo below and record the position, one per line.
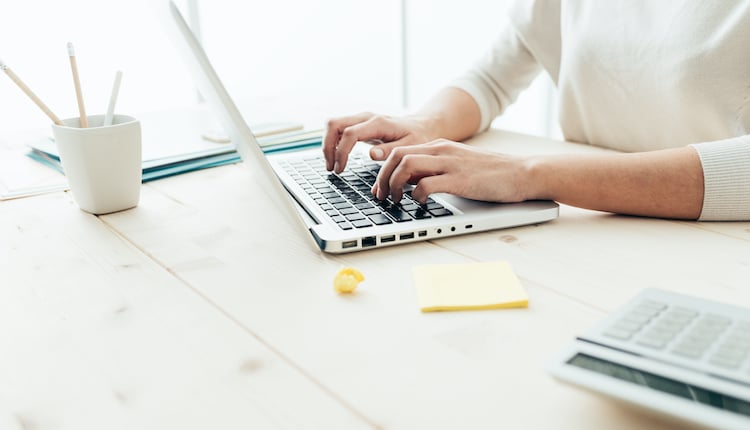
(282, 60)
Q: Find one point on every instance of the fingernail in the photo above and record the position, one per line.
(336, 166)
(377, 153)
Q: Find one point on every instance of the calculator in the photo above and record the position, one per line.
(675, 354)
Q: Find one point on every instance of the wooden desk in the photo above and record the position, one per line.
(183, 314)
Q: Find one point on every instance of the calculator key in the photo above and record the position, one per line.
(730, 353)
(676, 318)
(716, 319)
(650, 313)
(618, 333)
(627, 325)
(688, 351)
(726, 363)
(653, 304)
(670, 325)
(740, 340)
(637, 318)
(707, 331)
(666, 336)
(652, 342)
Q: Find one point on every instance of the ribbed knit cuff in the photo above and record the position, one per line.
(726, 177)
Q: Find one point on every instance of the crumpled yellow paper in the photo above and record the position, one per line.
(347, 280)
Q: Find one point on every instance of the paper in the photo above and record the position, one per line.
(473, 286)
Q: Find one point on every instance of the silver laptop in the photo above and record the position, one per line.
(339, 211)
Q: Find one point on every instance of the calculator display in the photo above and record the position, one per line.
(660, 383)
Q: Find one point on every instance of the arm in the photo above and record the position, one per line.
(666, 183)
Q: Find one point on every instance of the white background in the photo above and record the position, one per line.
(281, 60)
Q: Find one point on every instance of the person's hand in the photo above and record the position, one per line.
(385, 132)
(455, 168)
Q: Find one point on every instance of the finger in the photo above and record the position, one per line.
(334, 128)
(392, 162)
(412, 169)
(431, 185)
(382, 150)
(377, 127)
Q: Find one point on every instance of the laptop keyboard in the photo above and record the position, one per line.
(347, 197)
(706, 336)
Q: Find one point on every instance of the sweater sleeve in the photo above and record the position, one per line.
(528, 41)
(726, 178)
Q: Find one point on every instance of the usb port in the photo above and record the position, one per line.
(368, 241)
(349, 244)
(390, 238)
(406, 236)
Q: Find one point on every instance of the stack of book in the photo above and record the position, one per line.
(212, 154)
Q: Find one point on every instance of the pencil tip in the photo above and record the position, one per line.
(71, 50)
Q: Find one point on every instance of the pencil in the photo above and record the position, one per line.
(29, 93)
(109, 116)
(77, 83)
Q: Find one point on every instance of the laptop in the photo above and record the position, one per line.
(338, 211)
(679, 355)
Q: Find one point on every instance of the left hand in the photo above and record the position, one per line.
(455, 168)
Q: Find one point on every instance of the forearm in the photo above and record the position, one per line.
(450, 114)
(666, 183)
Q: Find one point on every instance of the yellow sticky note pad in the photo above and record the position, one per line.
(473, 286)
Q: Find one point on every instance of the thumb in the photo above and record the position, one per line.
(381, 151)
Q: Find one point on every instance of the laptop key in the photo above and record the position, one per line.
(441, 212)
(345, 225)
(371, 211)
(380, 219)
(362, 223)
(420, 214)
(398, 215)
(355, 217)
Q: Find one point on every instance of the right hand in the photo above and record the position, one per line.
(386, 132)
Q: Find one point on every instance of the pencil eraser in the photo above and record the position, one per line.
(71, 50)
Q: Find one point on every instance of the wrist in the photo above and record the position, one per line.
(431, 125)
(535, 173)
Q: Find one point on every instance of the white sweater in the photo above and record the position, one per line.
(636, 75)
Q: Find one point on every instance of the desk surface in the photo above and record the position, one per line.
(182, 314)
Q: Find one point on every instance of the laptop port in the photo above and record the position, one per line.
(423, 233)
(368, 241)
(406, 236)
(349, 244)
(390, 238)
(468, 226)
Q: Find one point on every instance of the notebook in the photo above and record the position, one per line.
(338, 211)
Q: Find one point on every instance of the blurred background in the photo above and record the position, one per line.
(286, 60)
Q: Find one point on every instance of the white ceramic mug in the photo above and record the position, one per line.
(102, 164)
